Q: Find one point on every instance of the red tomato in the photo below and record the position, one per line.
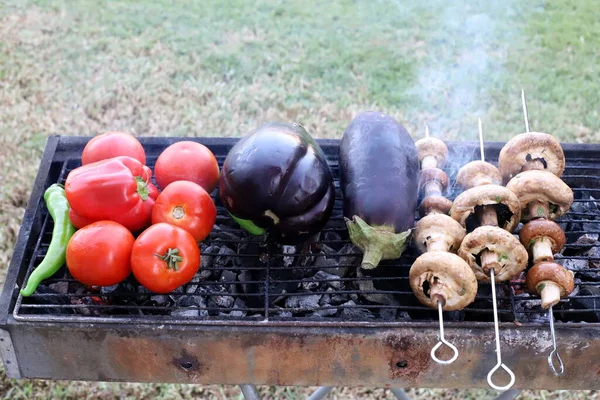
(164, 257)
(112, 144)
(188, 206)
(187, 161)
(100, 254)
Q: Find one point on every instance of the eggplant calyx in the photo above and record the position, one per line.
(377, 242)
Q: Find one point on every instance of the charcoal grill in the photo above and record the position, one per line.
(266, 314)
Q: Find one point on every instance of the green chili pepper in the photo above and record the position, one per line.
(249, 225)
(58, 207)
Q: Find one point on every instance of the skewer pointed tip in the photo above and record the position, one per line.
(524, 103)
(426, 130)
(481, 140)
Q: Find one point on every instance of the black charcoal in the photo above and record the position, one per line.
(306, 303)
(143, 290)
(350, 311)
(226, 258)
(221, 301)
(310, 285)
(332, 280)
(239, 308)
(191, 301)
(327, 312)
(288, 260)
(388, 314)
(228, 276)
(331, 236)
(530, 311)
(573, 264)
(325, 300)
(338, 298)
(186, 313)
(219, 235)
(191, 287)
(594, 257)
(160, 299)
(63, 287)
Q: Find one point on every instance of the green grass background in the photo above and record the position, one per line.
(222, 68)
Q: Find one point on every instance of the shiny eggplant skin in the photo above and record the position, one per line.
(379, 173)
(278, 178)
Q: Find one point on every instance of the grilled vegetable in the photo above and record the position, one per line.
(277, 179)
(115, 189)
(58, 207)
(379, 174)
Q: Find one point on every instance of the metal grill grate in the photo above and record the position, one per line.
(245, 279)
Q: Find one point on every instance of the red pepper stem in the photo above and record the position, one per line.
(142, 188)
(172, 258)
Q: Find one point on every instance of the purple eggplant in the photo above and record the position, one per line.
(277, 180)
(379, 171)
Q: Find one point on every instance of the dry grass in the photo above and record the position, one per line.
(204, 69)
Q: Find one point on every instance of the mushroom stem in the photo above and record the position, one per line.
(489, 261)
(549, 292)
(437, 245)
(433, 188)
(487, 216)
(542, 250)
(533, 165)
(429, 162)
(436, 296)
(538, 209)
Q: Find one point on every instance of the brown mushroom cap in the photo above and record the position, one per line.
(433, 175)
(465, 203)
(438, 204)
(531, 146)
(451, 275)
(477, 173)
(432, 147)
(542, 186)
(542, 228)
(550, 271)
(511, 255)
(441, 229)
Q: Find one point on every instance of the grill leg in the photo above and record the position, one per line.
(320, 393)
(509, 395)
(249, 392)
(400, 394)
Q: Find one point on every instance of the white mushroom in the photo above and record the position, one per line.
(531, 151)
(490, 247)
(551, 281)
(541, 194)
(440, 276)
(483, 202)
(438, 232)
(433, 152)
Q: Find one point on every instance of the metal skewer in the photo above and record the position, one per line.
(443, 340)
(481, 140)
(499, 363)
(440, 305)
(554, 353)
(525, 110)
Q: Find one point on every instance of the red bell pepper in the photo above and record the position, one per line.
(115, 189)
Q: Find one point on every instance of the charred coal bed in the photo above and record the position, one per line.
(244, 277)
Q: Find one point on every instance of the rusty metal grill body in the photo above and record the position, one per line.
(268, 314)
